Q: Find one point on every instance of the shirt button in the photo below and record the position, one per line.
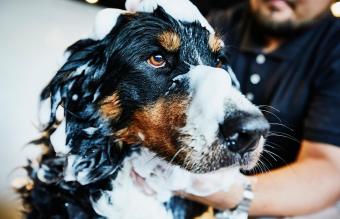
(255, 78)
(260, 59)
(250, 96)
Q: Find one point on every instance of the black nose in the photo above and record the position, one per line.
(242, 133)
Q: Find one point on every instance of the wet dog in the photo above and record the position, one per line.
(151, 92)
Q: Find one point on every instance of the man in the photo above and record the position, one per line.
(286, 54)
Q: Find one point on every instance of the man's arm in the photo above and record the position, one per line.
(306, 186)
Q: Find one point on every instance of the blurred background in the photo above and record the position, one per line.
(34, 34)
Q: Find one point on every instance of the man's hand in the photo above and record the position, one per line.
(306, 186)
(220, 200)
(221, 189)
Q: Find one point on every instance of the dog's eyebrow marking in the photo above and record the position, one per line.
(110, 107)
(170, 41)
(215, 43)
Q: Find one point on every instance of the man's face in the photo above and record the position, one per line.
(288, 14)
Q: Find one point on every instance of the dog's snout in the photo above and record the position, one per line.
(243, 133)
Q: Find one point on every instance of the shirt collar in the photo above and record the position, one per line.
(252, 44)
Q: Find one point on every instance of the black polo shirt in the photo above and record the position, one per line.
(297, 86)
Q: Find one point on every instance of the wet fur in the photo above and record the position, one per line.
(106, 95)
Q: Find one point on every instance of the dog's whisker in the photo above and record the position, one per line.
(263, 166)
(177, 153)
(273, 155)
(259, 167)
(271, 107)
(271, 113)
(274, 145)
(269, 153)
(282, 125)
(284, 135)
(151, 159)
(186, 161)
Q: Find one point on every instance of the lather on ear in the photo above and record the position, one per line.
(76, 88)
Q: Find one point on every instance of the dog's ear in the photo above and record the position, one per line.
(92, 152)
(82, 61)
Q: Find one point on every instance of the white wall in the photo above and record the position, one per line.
(33, 36)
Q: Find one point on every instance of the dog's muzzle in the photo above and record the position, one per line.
(222, 127)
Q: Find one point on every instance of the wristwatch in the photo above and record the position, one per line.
(241, 210)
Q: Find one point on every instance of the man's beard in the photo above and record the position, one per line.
(266, 26)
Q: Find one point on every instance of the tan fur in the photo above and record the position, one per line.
(130, 16)
(209, 214)
(170, 41)
(215, 43)
(110, 107)
(156, 126)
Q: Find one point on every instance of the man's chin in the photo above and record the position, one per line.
(273, 25)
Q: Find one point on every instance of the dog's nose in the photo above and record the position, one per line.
(242, 133)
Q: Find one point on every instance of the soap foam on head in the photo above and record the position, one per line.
(182, 10)
(106, 19)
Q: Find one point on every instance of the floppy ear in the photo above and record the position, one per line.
(83, 57)
(84, 66)
(93, 154)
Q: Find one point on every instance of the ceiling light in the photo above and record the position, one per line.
(92, 1)
(335, 8)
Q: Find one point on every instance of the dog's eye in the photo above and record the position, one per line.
(219, 63)
(156, 61)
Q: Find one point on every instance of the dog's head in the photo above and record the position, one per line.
(156, 82)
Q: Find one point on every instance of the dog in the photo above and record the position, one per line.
(150, 92)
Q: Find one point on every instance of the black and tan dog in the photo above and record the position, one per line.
(153, 86)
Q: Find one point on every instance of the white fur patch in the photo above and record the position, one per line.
(126, 201)
(213, 98)
(209, 89)
(183, 10)
(58, 139)
(159, 175)
(90, 130)
(69, 174)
